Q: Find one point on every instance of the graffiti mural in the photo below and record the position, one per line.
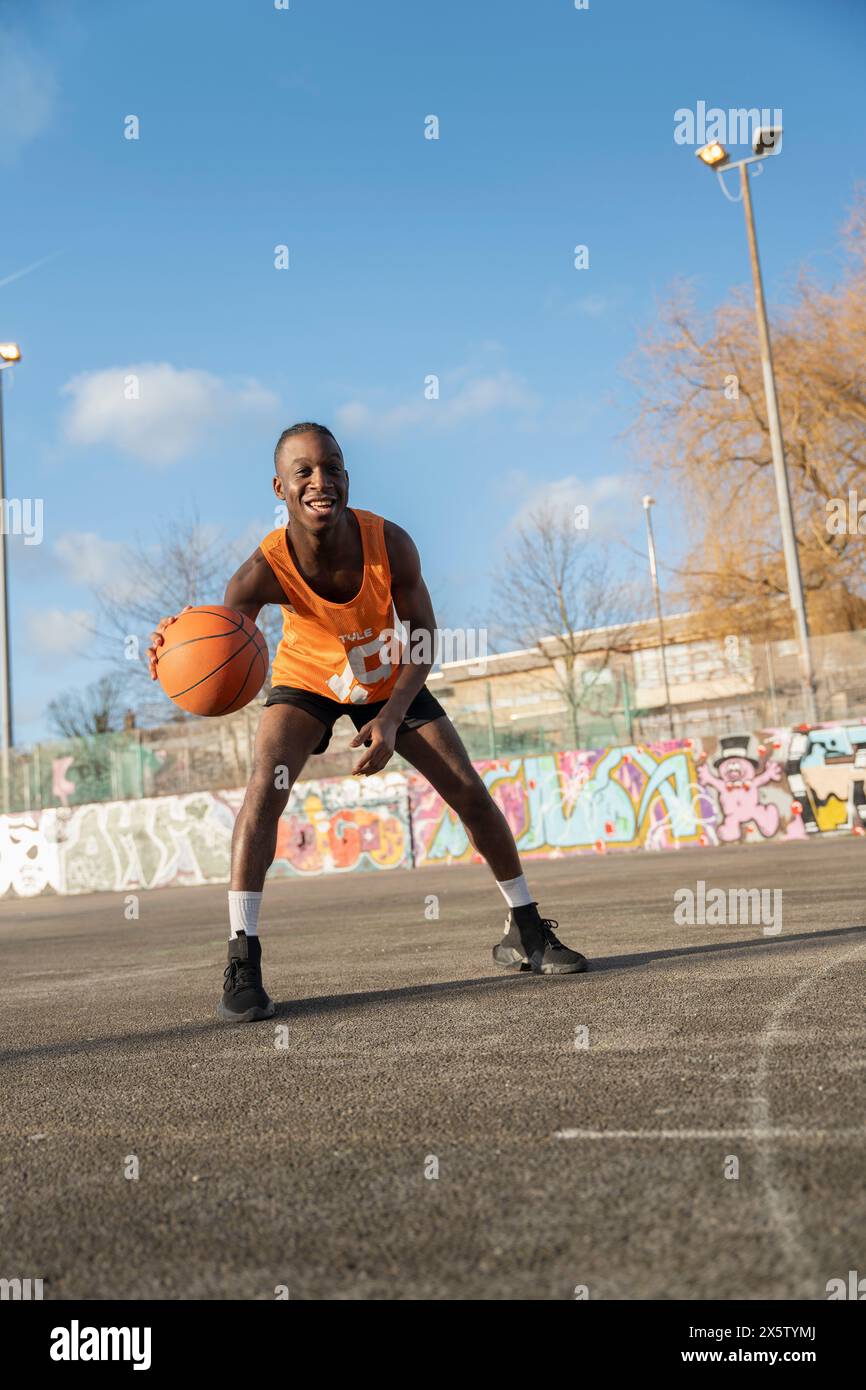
(787, 783)
(29, 864)
(781, 784)
(160, 841)
(826, 772)
(119, 846)
(642, 796)
(740, 780)
(344, 823)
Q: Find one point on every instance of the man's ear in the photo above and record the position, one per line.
(278, 488)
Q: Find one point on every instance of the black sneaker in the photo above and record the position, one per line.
(530, 943)
(244, 998)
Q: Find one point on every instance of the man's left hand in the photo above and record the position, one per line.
(380, 734)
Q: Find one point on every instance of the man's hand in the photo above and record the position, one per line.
(380, 735)
(157, 639)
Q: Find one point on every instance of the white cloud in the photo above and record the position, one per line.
(88, 558)
(607, 496)
(29, 90)
(176, 410)
(471, 400)
(592, 305)
(58, 632)
(108, 567)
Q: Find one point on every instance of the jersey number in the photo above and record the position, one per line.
(355, 670)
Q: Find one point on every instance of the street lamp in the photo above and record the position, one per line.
(9, 354)
(651, 548)
(768, 141)
(713, 154)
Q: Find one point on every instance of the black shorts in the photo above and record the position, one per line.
(423, 709)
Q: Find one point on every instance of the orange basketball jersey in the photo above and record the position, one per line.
(339, 650)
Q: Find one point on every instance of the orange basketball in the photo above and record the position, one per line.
(213, 660)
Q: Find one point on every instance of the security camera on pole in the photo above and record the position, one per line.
(768, 141)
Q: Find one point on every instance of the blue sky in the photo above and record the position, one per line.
(408, 257)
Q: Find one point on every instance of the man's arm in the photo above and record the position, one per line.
(252, 586)
(415, 610)
(248, 590)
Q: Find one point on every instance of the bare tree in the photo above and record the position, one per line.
(557, 596)
(98, 709)
(703, 425)
(186, 562)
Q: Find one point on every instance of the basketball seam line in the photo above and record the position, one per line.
(257, 652)
(206, 636)
(252, 637)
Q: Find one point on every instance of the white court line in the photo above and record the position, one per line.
(834, 1135)
(784, 1211)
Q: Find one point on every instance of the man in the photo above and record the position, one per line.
(339, 574)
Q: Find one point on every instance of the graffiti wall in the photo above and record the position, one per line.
(332, 826)
(781, 784)
(642, 796)
(343, 823)
(787, 783)
(743, 782)
(825, 770)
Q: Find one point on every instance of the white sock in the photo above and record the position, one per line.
(516, 892)
(244, 913)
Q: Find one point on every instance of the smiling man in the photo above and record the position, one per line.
(339, 574)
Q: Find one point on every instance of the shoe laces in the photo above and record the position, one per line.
(547, 925)
(239, 974)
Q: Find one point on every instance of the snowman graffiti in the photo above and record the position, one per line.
(738, 780)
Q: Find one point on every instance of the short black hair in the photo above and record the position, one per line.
(305, 427)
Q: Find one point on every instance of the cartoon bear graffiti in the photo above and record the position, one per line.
(738, 783)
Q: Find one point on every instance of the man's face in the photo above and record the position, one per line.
(312, 481)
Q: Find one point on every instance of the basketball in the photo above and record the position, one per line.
(213, 660)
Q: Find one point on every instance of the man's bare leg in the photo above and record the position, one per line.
(285, 739)
(436, 751)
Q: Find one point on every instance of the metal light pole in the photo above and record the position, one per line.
(768, 142)
(783, 490)
(9, 353)
(651, 548)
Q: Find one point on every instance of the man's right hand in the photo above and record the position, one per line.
(157, 639)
